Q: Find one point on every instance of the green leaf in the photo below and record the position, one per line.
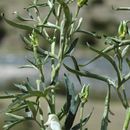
(125, 50)
(21, 26)
(17, 108)
(72, 46)
(22, 18)
(87, 74)
(85, 120)
(15, 116)
(66, 13)
(38, 5)
(12, 123)
(26, 41)
(21, 87)
(84, 94)
(79, 24)
(8, 126)
(72, 103)
(31, 106)
(49, 25)
(81, 3)
(110, 59)
(28, 66)
(76, 68)
(89, 33)
(123, 29)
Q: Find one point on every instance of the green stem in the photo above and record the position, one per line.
(81, 115)
(105, 119)
(127, 119)
(121, 98)
(38, 63)
(54, 69)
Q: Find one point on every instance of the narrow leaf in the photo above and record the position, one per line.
(21, 26)
(85, 120)
(72, 103)
(15, 116)
(87, 74)
(22, 18)
(72, 46)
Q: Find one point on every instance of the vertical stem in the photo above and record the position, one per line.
(127, 119)
(121, 98)
(81, 115)
(54, 69)
(38, 63)
(105, 120)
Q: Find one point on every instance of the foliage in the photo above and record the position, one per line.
(66, 25)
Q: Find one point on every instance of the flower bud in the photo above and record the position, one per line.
(84, 94)
(81, 3)
(122, 30)
(34, 38)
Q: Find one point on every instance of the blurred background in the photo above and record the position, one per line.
(98, 17)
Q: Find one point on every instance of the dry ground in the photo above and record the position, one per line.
(94, 122)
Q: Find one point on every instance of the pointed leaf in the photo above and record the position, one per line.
(49, 25)
(72, 46)
(22, 18)
(89, 33)
(15, 116)
(21, 26)
(125, 50)
(109, 58)
(79, 23)
(76, 68)
(87, 74)
(72, 103)
(85, 120)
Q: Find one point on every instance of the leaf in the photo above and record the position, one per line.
(79, 23)
(21, 87)
(8, 126)
(70, 90)
(15, 116)
(26, 41)
(17, 108)
(73, 102)
(50, 4)
(31, 106)
(85, 120)
(123, 29)
(87, 74)
(38, 5)
(28, 66)
(81, 3)
(66, 13)
(72, 113)
(22, 18)
(76, 68)
(72, 46)
(21, 26)
(7, 96)
(12, 123)
(49, 25)
(109, 58)
(89, 33)
(125, 50)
